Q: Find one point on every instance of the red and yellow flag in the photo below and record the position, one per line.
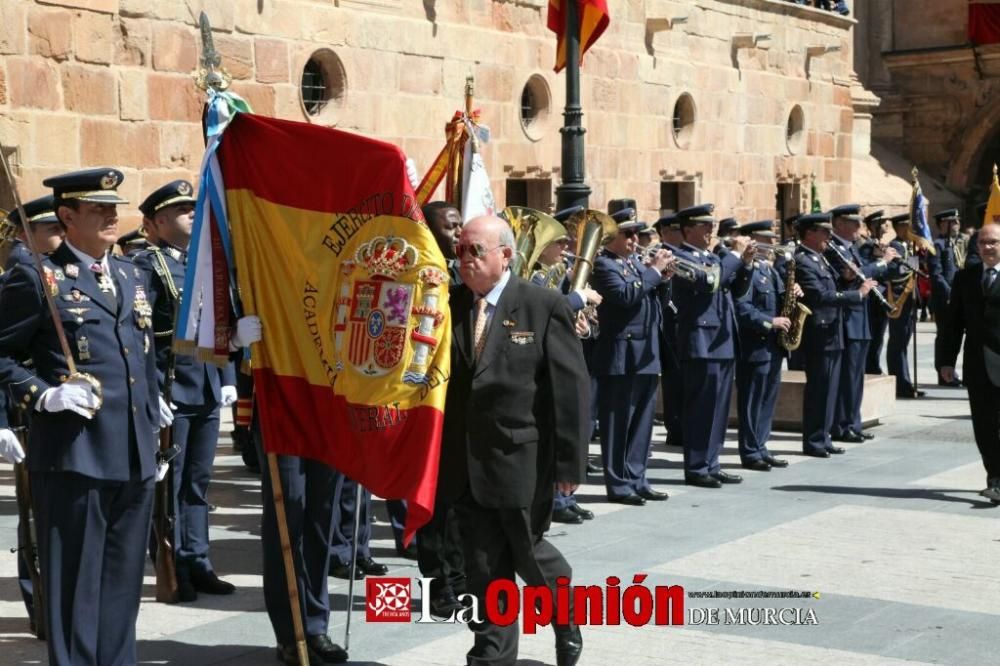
(992, 214)
(594, 20)
(331, 252)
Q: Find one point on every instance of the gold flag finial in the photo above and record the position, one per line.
(470, 87)
(212, 74)
(994, 169)
(914, 172)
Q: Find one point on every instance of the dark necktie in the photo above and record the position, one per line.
(989, 275)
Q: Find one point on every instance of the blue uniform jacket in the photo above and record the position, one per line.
(942, 268)
(855, 315)
(110, 340)
(755, 311)
(629, 316)
(823, 330)
(573, 299)
(195, 382)
(706, 318)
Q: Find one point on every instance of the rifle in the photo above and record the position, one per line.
(164, 515)
(27, 547)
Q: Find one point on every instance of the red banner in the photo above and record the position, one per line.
(594, 20)
(984, 23)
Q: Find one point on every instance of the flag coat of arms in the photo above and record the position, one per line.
(330, 250)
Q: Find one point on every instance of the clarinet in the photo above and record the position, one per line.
(851, 266)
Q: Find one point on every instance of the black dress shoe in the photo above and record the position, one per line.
(775, 462)
(580, 511)
(631, 500)
(445, 604)
(836, 450)
(593, 468)
(850, 437)
(569, 645)
(758, 465)
(408, 553)
(817, 453)
(653, 495)
(326, 650)
(341, 570)
(702, 481)
(566, 515)
(209, 583)
(865, 435)
(370, 567)
(910, 395)
(955, 383)
(726, 477)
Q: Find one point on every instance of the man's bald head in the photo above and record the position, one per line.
(484, 252)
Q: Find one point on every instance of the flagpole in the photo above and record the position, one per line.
(213, 76)
(916, 288)
(574, 190)
(354, 563)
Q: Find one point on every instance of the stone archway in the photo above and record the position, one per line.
(971, 167)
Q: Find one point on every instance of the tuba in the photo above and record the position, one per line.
(533, 231)
(792, 310)
(593, 230)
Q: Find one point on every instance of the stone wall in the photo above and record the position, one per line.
(109, 82)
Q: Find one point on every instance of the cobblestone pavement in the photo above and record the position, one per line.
(892, 536)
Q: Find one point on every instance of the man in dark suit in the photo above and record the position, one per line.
(707, 337)
(902, 288)
(669, 228)
(515, 424)
(758, 369)
(626, 360)
(92, 464)
(974, 313)
(942, 267)
(198, 391)
(823, 337)
(842, 254)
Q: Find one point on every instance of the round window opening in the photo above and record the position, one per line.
(536, 101)
(324, 86)
(795, 130)
(683, 120)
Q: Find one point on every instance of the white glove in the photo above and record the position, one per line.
(227, 395)
(166, 416)
(161, 471)
(75, 395)
(411, 173)
(10, 448)
(248, 331)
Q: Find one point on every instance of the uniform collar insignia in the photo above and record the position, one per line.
(72, 270)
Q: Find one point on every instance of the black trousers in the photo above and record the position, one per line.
(92, 551)
(439, 551)
(308, 488)
(984, 401)
(819, 400)
(498, 544)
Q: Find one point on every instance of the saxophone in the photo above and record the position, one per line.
(793, 310)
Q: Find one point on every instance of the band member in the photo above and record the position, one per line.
(514, 426)
(626, 360)
(758, 370)
(902, 285)
(974, 314)
(942, 267)
(843, 255)
(726, 232)
(823, 337)
(671, 385)
(92, 462)
(872, 251)
(198, 391)
(706, 334)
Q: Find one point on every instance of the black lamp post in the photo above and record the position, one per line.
(573, 191)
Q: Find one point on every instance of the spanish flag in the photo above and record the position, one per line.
(331, 252)
(593, 16)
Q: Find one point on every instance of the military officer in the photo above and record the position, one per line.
(871, 251)
(902, 283)
(669, 228)
(46, 235)
(758, 370)
(626, 358)
(706, 336)
(46, 232)
(942, 267)
(92, 459)
(133, 242)
(823, 336)
(843, 255)
(197, 393)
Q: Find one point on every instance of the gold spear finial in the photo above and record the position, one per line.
(994, 169)
(914, 172)
(212, 74)
(470, 87)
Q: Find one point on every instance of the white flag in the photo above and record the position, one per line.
(477, 197)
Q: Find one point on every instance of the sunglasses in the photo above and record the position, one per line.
(631, 233)
(475, 250)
